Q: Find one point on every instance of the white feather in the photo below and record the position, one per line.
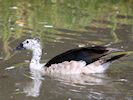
(67, 67)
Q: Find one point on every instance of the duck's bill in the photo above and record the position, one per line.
(19, 47)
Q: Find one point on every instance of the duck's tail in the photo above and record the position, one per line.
(107, 61)
(114, 58)
(100, 66)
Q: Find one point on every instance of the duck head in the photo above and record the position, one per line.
(29, 44)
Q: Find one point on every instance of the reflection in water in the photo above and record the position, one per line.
(63, 25)
(33, 87)
(91, 86)
(90, 79)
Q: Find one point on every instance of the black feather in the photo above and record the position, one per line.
(115, 57)
(87, 54)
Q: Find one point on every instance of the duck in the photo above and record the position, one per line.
(82, 60)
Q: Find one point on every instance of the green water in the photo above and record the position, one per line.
(62, 25)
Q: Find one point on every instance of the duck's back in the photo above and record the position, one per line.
(87, 54)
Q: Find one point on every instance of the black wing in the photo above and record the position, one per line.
(87, 54)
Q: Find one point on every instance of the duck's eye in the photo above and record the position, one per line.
(27, 41)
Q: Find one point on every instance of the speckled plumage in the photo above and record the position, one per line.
(83, 60)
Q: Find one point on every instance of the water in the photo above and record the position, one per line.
(63, 25)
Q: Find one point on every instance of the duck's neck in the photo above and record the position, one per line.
(36, 56)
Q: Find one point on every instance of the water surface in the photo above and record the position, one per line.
(63, 25)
